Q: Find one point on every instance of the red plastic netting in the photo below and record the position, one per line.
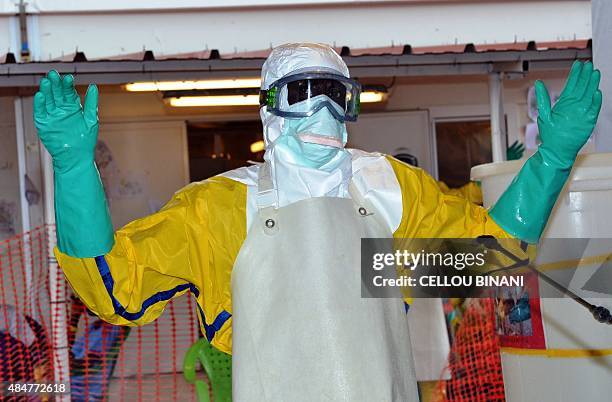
(48, 335)
(25, 315)
(474, 361)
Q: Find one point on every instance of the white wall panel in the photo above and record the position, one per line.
(145, 164)
(6, 36)
(386, 132)
(254, 28)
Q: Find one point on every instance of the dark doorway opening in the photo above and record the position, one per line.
(460, 146)
(216, 147)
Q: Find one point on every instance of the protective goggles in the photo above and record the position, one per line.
(304, 94)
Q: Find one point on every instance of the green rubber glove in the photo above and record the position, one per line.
(524, 208)
(515, 151)
(70, 132)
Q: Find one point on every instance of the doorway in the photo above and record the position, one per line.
(216, 147)
(460, 145)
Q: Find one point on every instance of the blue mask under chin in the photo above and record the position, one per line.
(306, 154)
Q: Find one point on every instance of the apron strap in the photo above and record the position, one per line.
(364, 207)
(267, 195)
(267, 199)
(357, 198)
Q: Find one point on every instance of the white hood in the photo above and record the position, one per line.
(291, 58)
(295, 182)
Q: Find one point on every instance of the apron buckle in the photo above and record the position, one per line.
(269, 221)
(363, 212)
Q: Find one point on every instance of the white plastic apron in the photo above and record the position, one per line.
(301, 330)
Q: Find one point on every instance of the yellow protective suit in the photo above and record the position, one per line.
(470, 191)
(192, 243)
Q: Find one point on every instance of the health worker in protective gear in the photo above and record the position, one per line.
(271, 252)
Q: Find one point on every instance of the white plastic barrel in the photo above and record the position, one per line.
(577, 362)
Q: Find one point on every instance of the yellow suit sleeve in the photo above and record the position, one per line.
(189, 245)
(470, 191)
(428, 212)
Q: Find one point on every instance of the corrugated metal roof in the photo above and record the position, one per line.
(471, 48)
(213, 54)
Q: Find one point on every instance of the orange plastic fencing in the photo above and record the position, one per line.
(115, 363)
(105, 362)
(25, 319)
(474, 361)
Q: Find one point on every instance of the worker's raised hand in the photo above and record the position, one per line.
(566, 127)
(68, 131)
(515, 151)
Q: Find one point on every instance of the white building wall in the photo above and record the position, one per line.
(6, 36)
(470, 99)
(235, 27)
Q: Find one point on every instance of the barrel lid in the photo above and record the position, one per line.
(480, 172)
(587, 167)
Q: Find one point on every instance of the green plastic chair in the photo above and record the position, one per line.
(218, 368)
